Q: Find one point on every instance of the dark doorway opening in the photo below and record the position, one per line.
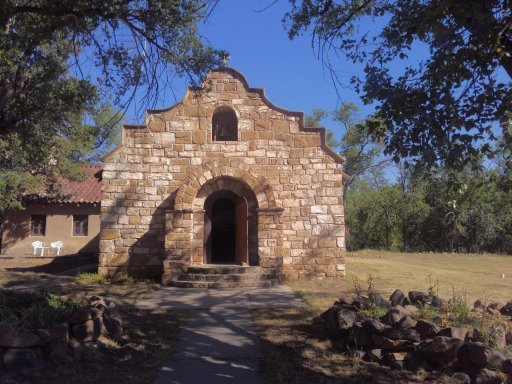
(226, 229)
(223, 231)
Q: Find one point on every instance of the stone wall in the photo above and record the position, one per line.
(156, 183)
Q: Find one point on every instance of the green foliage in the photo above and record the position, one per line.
(374, 311)
(56, 114)
(89, 277)
(439, 210)
(432, 70)
(30, 310)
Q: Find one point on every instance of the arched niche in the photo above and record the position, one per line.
(224, 125)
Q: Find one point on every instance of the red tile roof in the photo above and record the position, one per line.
(85, 191)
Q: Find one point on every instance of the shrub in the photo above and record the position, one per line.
(32, 310)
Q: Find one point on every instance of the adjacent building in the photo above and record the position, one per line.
(73, 218)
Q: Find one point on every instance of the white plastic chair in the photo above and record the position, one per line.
(58, 245)
(37, 245)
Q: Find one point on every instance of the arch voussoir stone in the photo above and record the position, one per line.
(195, 182)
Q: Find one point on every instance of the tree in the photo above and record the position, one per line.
(432, 70)
(363, 154)
(128, 42)
(63, 62)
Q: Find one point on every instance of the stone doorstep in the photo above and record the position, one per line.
(241, 277)
(224, 284)
(223, 269)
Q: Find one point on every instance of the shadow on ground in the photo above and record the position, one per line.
(58, 265)
(292, 353)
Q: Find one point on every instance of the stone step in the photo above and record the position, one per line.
(223, 269)
(223, 284)
(245, 277)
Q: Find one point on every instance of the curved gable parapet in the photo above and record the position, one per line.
(298, 114)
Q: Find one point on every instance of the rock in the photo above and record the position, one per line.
(426, 329)
(346, 318)
(440, 351)
(99, 305)
(407, 322)
(59, 352)
(362, 302)
(477, 336)
(439, 303)
(374, 326)
(485, 376)
(410, 309)
(414, 363)
(394, 315)
(44, 334)
(392, 345)
(402, 334)
(499, 337)
(497, 306)
(373, 355)
(90, 352)
(359, 336)
(459, 333)
(506, 310)
(397, 298)
(331, 318)
(395, 365)
(394, 356)
(345, 299)
(419, 298)
(88, 331)
(21, 360)
(318, 327)
(478, 304)
(506, 366)
(358, 354)
(59, 331)
(80, 317)
(461, 378)
(508, 338)
(478, 355)
(379, 300)
(12, 339)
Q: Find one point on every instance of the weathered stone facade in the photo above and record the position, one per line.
(167, 188)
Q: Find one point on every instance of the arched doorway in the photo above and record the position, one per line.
(226, 229)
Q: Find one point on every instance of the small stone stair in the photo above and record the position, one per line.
(224, 276)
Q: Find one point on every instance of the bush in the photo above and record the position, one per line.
(33, 310)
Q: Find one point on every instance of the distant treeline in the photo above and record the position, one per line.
(440, 210)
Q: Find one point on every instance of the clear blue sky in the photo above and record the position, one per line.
(293, 78)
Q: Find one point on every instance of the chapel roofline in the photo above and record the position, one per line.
(261, 92)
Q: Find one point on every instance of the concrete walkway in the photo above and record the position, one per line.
(218, 344)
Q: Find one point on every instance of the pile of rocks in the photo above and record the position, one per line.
(25, 352)
(401, 340)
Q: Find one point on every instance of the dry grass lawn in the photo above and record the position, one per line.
(294, 354)
(470, 276)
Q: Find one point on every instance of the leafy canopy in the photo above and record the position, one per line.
(63, 64)
(438, 73)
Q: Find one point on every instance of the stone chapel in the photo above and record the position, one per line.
(223, 189)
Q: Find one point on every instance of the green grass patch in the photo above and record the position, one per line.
(32, 310)
(90, 277)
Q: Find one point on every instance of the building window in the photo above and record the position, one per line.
(224, 125)
(38, 225)
(80, 225)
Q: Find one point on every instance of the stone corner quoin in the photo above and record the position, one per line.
(223, 159)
